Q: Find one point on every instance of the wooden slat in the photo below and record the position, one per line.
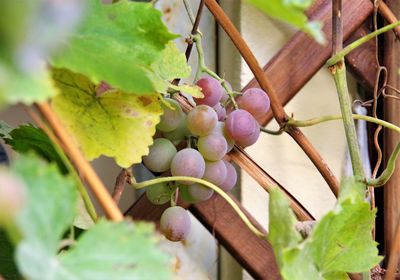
(391, 114)
(253, 253)
(302, 57)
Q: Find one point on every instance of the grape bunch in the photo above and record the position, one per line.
(195, 144)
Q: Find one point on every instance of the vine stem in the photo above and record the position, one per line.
(340, 55)
(96, 185)
(223, 194)
(314, 121)
(277, 108)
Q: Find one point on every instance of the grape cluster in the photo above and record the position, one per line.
(195, 144)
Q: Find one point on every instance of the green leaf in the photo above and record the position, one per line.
(282, 232)
(27, 138)
(192, 90)
(115, 124)
(8, 269)
(121, 251)
(292, 12)
(117, 43)
(51, 205)
(298, 265)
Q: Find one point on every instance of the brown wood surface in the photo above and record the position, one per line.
(292, 67)
(392, 114)
(252, 252)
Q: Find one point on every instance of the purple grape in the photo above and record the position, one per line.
(175, 223)
(255, 101)
(12, 196)
(220, 129)
(201, 120)
(212, 91)
(212, 147)
(188, 162)
(199, 192)
(160, 155)
(230, 179)
(171, 118)
(225, 95)
(215, 172)
(250, 140)
(221, 111)
(241, 125)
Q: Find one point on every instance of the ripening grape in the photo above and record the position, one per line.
(225, 95)
(215, 172)
(241, 125)
(230, 179)
(221, 111)
(180, 132)
(212, 147)
(175, 223)
(188, 162)
(160, 155)
(201, 120)
(251, 139)
(255, 101)
(199, 192)
(184, 194)
(12, 196)
(212, 91)
(171, 118)
(220, 129)
(159, 194)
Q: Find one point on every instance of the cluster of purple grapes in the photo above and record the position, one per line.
(194, 145)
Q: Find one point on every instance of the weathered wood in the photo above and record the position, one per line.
(361, 62)
(391, 114)
(253, 253)
(297, 62)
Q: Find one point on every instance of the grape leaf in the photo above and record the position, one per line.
(340, 242)
(117, 43)
(192, 90)
(8, 269)
(292, 12)
(115, 124)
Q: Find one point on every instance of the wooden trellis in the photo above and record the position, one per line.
(254, 254)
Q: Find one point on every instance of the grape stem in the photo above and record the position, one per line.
(223, 194)
(202, 68)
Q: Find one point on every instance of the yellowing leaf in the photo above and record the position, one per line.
(115, 124)
(192, 90)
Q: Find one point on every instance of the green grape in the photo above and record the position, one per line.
(171, 118)
(160, 155)
(161, 193)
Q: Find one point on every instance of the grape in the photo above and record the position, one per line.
(159, 194)
(188, 162)
(250, 140)
(201, 120)
(215, 172)
(220, 129)
(241, 125)
(212, 147)
(225, 95)
(199, 192)
(255, 101)
(180, 132)
(171, 118)
(212, 91)
(175, 223)
(221, 111)
(184, 194)
(12, 196)
(160, 155)
(230, 179)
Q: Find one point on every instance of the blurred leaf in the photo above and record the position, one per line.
(292, 12)
(8, 269)
(115, 124)
(5, 130)
(117, 43)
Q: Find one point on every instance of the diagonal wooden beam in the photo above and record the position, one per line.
(253, 253)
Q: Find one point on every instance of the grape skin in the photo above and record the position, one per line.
(175, 223)
(159, 194)
(230, 179)
(255, 101)
(250, 140)
(241, 125)
(160, 155)
(221, 111)
(220, 129)
(188, 162)
(212, 147)
(201, 120)
(171, 118)
(180, 133)
(199, 192)
(212, 91)
(215, 172)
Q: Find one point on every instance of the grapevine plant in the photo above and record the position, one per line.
(111, 75)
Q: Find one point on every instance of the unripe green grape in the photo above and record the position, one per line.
(161, 193)
(160, 155)
(220, 129)
(180, 133)
(199, 192)
(212, 147)
(170, 118)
